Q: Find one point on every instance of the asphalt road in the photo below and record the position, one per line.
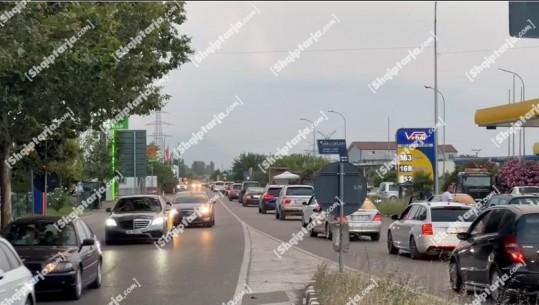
(200, 266)
(430, 274)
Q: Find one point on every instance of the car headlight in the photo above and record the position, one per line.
(158, 221)
(204, 210)
(110, 222)
(58, 267)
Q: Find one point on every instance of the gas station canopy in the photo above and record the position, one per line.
(502, 116)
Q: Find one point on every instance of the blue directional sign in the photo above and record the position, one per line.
(333, 147)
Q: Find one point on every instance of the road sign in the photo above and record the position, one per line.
(124, 124)
(523, 18)
(246, 175)
(327, 188)
(333, 147)
(415, 153)
(132, 159)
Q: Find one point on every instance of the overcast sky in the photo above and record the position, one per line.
(334, 73)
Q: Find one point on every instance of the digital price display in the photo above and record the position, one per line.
(415, 153)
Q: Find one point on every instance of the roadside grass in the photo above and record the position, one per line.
(354, 287)
(66, 210)
(391, 208)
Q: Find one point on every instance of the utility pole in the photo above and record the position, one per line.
(436, 186)
(476, 151)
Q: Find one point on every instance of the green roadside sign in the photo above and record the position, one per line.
(124, 124)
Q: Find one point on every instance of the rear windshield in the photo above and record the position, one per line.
(255, 190)
(528, 229)
(451, 214)
(251, 184)
(190, 199)
(529, 190)
(275, 191)
(219, 183)
(525, 200)
(300, 191)
(236, 187)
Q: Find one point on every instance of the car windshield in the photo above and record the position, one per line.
(275, 191)
(137, 205)
(451, 214)
(477, 181)
(190, 199)
(529, 190)
(300, 191)
(528, 229)
(255, 190)
(236, 187)
(40, 234)
(525, 200)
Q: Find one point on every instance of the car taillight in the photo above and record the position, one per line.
(377, 218)
(287, 201)
(512, 248)
(268, 197)
(426, 229)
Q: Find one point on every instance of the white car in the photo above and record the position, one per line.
(292, 200)
(219, 186)
(16, 281)
(524, 190)
(428, 228)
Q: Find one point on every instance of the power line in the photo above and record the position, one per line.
(366, 49)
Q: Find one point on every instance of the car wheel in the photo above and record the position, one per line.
(75, 291)
(390, 246)
(498, 294)
(375, 237)
(454, 276)
(276, 214)
(282, 215)
(313, 232)
(109, 241)
(259, 210)
(28, 301)
(264, 211)
(393, 199)
(99, 278)
(328, 233)
(414, 253)
(244, 204)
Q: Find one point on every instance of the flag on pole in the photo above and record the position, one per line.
(167, 156)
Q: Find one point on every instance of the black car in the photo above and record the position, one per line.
(244, 186)
(64, 259)
(510, 199)
(500, 248)
(193, 208)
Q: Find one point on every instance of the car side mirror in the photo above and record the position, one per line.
(395, 217)
(463, 236)
(108, 210)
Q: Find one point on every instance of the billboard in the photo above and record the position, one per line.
(415, 153)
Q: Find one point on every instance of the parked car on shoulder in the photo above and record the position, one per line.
(388, 191)
(252, 196)
(69, 258)
(292, 200)
(428, 228)
(244, 186)
(137, 217)
(366, 221)
(499, 250)
(269, 198)
(16, 281)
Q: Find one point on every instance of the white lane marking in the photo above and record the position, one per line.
(240, 286)
(244, 270)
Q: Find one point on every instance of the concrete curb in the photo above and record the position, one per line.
(310, 294)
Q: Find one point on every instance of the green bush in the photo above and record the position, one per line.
(59, 199)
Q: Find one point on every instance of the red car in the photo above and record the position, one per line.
(233, 191)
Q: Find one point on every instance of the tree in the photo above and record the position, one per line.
(199, 168)
(97, 156)
(217, 175)
(422, 182)
(93, 76)
(390, 176)
(518, 173)
(245, 161)
(166, 181)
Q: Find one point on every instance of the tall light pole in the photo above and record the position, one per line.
(314, 139)
(344, 119)
(436, 187)
(443, 147)
(523, 130)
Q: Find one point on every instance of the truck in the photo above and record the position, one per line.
(476, 182)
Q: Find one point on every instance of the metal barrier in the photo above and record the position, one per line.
(22, 204)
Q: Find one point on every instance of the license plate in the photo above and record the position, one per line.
(360, 218)
(456, 230)
(131, 232)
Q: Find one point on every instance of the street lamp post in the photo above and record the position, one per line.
(523, 132)
(314, 139)
(443, 147)
(436, 185)
(344, 119)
